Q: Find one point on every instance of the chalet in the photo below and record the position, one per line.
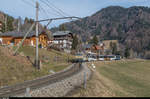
(99, 49)
(15, 37)
(63, 40)
(87, 47)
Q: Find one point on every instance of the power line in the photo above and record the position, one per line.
(64, 14)
(32, 4)
(42, 10)
(28, 3)
(46, 11)
(60, 12)
(58, 8)
(52, 8)
(33, 1)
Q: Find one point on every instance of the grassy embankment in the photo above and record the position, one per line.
(127, 78)
(16, 69)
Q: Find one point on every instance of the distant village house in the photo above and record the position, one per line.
(15, 37)
(99, 49)
(63, 40)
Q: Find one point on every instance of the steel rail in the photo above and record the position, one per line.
(41, 82)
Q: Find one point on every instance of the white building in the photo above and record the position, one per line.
(63, 39)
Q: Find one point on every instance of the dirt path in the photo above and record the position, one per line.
(100, 86)
(95, 87)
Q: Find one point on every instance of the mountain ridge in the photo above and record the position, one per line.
(130, 26)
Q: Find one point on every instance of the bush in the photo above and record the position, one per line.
(40, 46)
(147, 55)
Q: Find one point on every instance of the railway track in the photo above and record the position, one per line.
(40, 82)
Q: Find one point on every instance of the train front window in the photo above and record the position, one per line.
(101, 56)
(111, 56)
(93, 56)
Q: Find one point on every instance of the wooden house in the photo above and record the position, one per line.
(87, 47)
(99, 49)
(16, 37)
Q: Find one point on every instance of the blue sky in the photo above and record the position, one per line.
(80, 8)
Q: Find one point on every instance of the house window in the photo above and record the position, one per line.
(64, 41)
(0, 39)
(64, 45)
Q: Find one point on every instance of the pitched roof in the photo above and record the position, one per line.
(61, 33)
(19, 34)
(16, 34)
(97, 47)
(88, 46)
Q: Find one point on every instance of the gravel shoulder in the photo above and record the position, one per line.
(63, 87)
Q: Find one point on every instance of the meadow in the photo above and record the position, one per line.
(124, 78)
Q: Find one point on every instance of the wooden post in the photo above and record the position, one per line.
(84, 80)
(28, 92)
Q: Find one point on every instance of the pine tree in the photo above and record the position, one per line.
(3, 28)
(95, 40)
(127, 53)
(75, 42)
(26, 20)
(113, 48)
(62, 27)
(10, 23)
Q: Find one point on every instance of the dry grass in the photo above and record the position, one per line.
(16, 69)
(96, 87)
(107, 43)
(125, 78)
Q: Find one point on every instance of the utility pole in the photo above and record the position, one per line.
(37, 37)
(5, 23)
(19, 22)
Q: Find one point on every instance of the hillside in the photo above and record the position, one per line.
(12, 23)
(16, 69)
(131, 26)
